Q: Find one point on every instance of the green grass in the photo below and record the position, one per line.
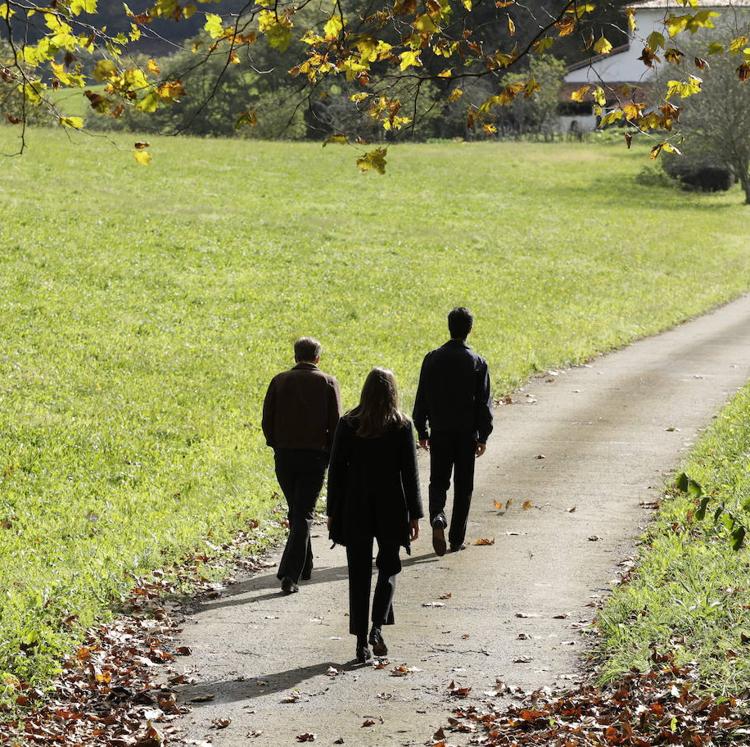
(143, 310)
(691, 591)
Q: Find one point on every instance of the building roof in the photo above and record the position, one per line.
(674, 5)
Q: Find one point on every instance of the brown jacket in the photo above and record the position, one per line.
(302, 409)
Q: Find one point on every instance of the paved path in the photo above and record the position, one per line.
(609, 433)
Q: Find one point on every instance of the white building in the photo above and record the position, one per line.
(622, 67)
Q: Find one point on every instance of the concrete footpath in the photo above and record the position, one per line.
(588, 448)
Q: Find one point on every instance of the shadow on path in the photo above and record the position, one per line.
(227, 691)
(234, 594)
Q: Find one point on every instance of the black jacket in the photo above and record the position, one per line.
(373, 487)
(454, 392)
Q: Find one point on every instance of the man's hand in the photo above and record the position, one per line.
(480, 449)
(414, 529)
(424, 443)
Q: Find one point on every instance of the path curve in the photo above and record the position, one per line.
(609, 434)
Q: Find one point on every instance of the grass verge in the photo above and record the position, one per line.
(690, 593)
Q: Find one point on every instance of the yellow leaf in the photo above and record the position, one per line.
(153, 68)
(614, 116)
(455, 95)
(104, 70)
(736, 45)
(276, 28)
(602, 45)
(75, 123)
(632, 26)
(214, 26)
(543, 44)
(143, 157)
(632, 110)
(489, 129)
(333, 28)
(511, 26)
(373, 160)
(599, 96)
(337, 139)
(579, 93)
(358, 97)
(447, 73)
(466, 4)
(409, 59)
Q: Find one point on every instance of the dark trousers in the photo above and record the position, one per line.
(359, 559)
(452, 452)
(300, 473)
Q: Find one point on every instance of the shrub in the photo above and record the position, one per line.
(699, 172)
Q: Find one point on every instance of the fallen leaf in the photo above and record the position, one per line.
(526, 505)
(484, 541)
(368, 722)
(306, 737)
(594, 538)
(572, 510)
(221, 723)
(433, 604)
(446, 595)
(203, 698)
(457, 691)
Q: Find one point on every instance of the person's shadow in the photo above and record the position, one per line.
(239, 593)
(227, 691)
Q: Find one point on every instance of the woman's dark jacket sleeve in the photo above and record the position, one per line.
(409, 473)
(338, 477)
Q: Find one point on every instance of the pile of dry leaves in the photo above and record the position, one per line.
(117, 688)
(661, 707)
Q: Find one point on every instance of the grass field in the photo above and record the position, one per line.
(691, 592)
(143, 310)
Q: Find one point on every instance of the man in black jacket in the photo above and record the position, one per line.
(300, 414)
(454, 398)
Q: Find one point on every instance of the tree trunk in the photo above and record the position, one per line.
(744, 173)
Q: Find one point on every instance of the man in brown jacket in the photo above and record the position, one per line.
(300, 414)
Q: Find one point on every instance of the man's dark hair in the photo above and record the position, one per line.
(460, 322)
(307, 350)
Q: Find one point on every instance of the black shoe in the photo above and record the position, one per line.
(458, 547)
(363, 654)
(288, 586)
(306, 575)
(378, 644)
(438, 537)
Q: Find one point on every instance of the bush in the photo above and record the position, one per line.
(698, 172)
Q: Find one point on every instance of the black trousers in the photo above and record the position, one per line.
(300, 473)
(359, 559)
(452, 452)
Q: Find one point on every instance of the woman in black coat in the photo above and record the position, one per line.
(373, 494)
